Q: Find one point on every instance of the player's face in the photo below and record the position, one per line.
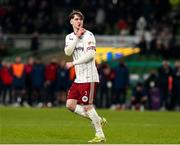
(77, 22)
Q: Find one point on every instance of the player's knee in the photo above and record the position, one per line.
(70, 106)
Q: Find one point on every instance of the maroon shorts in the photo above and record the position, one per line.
(83, 92)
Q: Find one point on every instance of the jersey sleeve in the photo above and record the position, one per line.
(70, 44)
(89, 42)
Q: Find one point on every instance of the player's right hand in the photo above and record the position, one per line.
(80, 32)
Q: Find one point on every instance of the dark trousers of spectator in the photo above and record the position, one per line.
(37, 95)
(175, 98)
(60, 97)
(50, 93)
(28, 90)
(165, 99)
(19, 95)
(119, 96)
(7, 93)
(29, 94)
(0, 93)
(138, 102)
(103, 100)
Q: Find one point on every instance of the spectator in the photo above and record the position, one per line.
(176, 87)
(7, 80)
(153, 92)
(50, 84)
(18, 72)
(122, 25)
(100, 16)
(100, 20)
(1, 87)
(62, 83)
(38, 79)
(28, 71)
(139, 97)
(164, 75)
(105, 87)
(121, 82)
(141, 26)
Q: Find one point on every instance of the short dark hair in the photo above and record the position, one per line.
(76, 12)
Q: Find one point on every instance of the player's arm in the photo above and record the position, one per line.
(89, 48)
(86, 57)
(70, 45)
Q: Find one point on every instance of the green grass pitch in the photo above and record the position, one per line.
(60, 126)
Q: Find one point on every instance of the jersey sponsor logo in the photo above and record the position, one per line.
(78, 48)
(91, 48)
(84, 98)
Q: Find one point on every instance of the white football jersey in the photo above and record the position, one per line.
(87, 71)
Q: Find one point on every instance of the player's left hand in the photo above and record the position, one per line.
(69, 65)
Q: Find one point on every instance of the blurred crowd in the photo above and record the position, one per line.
(155, 22)
(102, 17)
(37, 84)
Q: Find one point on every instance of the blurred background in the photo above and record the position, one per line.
(138, 52)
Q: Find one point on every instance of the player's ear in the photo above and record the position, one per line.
(71, 22)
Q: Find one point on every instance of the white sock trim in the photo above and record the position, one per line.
(80, 111)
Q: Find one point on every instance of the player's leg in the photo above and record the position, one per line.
(96, 120)
(72, 105)
(79, 94)
(87, 93)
